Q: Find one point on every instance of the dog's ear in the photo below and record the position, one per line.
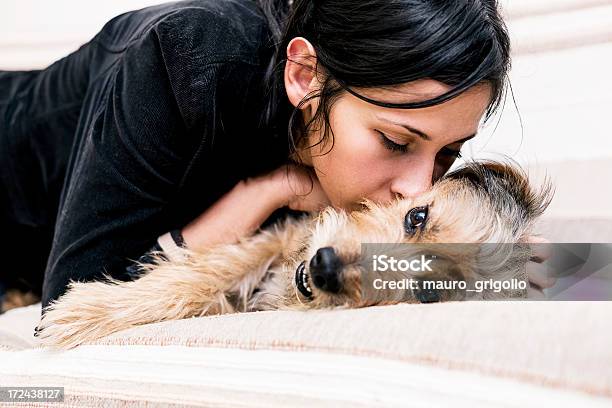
(507, 186)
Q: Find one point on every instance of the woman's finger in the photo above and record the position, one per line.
(540, 248)
(308, 192)
(539, 275)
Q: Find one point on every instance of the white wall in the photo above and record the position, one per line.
(562, 60)
(34, 33)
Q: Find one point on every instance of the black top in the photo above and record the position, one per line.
(137, 132)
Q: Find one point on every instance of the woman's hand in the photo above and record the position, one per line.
(242, 210)
(238, 213)
(536, 272)
(301, 187)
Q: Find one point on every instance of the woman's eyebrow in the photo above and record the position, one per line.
(420, 133)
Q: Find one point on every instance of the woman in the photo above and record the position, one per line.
(194, 123)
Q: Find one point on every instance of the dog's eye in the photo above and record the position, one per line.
(428, 296)
(415, 219)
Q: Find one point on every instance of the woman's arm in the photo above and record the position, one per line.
(244, 209)
(238, 213)
(241, 212)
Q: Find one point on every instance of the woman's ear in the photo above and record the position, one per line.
(300, 78)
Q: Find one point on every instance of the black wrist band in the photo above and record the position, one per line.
(177, 237)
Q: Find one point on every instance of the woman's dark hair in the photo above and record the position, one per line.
(382, 43)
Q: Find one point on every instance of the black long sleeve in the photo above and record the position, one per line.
(168, 122)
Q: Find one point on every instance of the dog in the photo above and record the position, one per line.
(317, 261)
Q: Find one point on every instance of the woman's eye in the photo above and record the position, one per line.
(391, 145)
(415, 219)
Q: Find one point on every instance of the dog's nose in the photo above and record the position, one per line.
(325, 269)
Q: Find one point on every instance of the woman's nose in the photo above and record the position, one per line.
(413, 181)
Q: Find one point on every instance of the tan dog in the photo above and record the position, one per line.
(318, 262)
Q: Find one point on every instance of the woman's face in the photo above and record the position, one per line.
(379, 153)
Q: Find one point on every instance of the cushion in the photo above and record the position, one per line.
(477, 353)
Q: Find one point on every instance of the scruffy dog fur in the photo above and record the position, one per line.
(316, 261)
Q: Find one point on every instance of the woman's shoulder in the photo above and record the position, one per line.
(204, 31)
(220, 29)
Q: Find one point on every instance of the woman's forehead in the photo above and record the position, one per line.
(455, 119)
(415, 91)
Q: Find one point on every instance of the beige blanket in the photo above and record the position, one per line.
(465, 351)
